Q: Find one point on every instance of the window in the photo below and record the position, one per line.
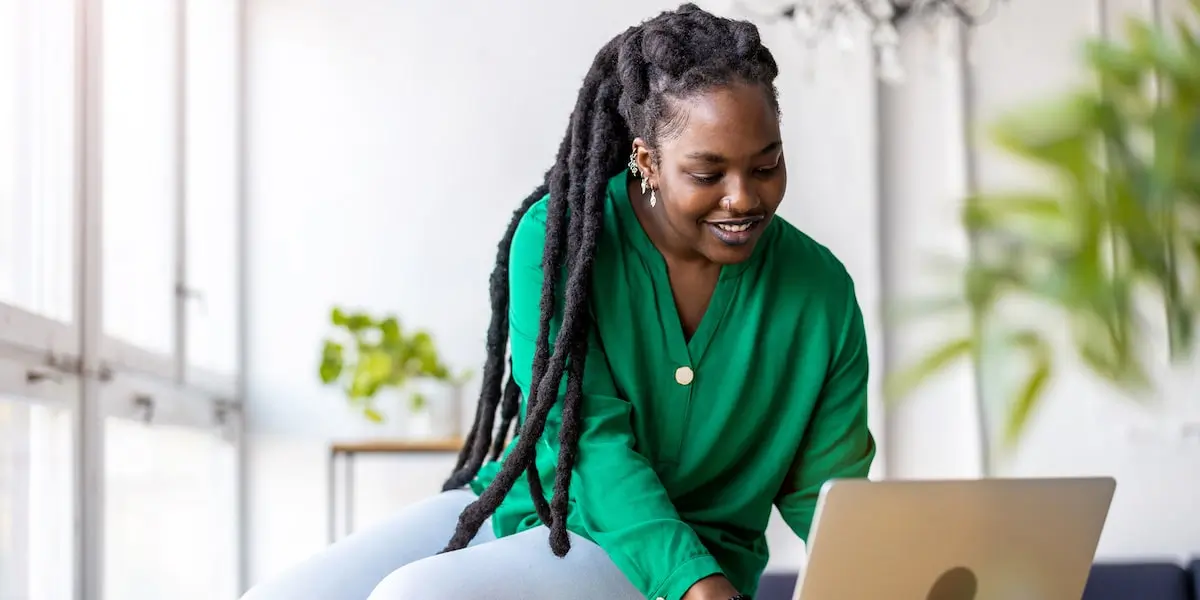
(211, 300)
(170, 498)
(170, 177)
(35, 499)
(139, 160)
(37, 167)
(119, 132)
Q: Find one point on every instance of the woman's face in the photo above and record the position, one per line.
(718, 181)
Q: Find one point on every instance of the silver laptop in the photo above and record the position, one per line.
(986, 539)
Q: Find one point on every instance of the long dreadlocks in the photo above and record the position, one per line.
(628, 92)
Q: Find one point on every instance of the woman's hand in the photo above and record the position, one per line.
(713, 587)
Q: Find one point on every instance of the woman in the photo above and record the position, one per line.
(708, 359)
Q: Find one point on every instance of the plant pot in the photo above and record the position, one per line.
(436, 416)
(440, 416)
(417, 424)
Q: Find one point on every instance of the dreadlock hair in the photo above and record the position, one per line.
(630, 91)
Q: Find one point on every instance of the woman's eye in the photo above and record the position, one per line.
(767, 170)
(705, 178)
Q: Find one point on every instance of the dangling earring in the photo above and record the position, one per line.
(633, 168)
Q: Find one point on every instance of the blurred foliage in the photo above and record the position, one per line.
(1117, 223)
(366, 355)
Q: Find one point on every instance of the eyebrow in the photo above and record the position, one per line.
(714, 158)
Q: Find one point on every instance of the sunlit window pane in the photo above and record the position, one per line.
(212, 157)
(37, 156)
(139, 167)
(170, 513)
(36, 535)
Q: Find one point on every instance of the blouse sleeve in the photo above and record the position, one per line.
(838, 444)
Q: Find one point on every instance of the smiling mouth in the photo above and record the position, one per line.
(737, 225)
(736, 232)
(734, 227)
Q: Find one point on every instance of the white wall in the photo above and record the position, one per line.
(395, 133)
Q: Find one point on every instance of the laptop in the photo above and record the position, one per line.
(984, 539)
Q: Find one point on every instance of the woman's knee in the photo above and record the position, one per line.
(434, 578)
(274, 590)
(352, 567)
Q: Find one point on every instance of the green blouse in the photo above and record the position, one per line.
(687, 444)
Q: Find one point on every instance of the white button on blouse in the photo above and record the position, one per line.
(684, 375)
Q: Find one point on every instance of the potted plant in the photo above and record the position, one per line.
(1117, 222)
(371, 357)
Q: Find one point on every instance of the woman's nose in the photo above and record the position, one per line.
(740, 199)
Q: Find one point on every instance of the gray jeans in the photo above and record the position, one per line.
(399, 560)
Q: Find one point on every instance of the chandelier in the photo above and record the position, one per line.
(812, 20)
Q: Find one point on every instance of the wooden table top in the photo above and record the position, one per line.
(397, 446)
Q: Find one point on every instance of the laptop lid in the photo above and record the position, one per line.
(985, 539)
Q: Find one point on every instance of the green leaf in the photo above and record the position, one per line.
(390, 328)
(1187, 38)
(358, 322)
(376, 364)
(418, 401)
(425, 354)
(397, 378)
(331, 362)
(1118, 65)
(378, 355)
(1030, 392)
(439, 372)
(926, 308)
(373, 415)
(988, 209)
(1026, 401)
(1054, 134)
(902, 383)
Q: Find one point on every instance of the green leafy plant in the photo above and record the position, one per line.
(1116, 223)
(367, 354)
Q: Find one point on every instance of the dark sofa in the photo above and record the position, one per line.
(1108, 581)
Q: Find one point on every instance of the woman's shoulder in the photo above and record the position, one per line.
(530, 235)
(797, 259)
(810, 285)
(535, 217)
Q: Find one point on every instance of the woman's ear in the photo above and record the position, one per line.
(645, 162)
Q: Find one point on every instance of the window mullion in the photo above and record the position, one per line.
(89, 418)
(182, 291)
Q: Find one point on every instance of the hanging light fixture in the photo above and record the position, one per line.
(812, 20)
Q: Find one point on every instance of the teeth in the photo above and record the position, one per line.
(734, 228)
